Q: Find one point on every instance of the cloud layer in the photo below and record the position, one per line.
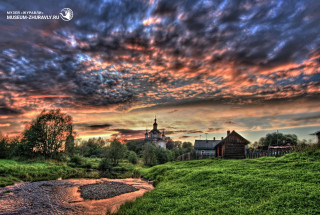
(134, 55)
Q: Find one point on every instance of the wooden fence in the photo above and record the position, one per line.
(193, 156)
(250, 154)
(266, 153)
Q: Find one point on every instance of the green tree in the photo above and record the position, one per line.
(149, 154)
(132, 157)
(47, 133)
(136, 146)
(169, 145)
(170, 155)
(116, 152)
(187, 147)
(279, 139)
(161, 155)
(254, 145)
(14, 148)
(3, 146)
(92, 148)
(177, 152)
(105, 165)
(69, 145)
(177, 144)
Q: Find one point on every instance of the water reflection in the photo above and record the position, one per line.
(63, 197)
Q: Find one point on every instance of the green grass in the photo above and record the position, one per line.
(13, 171)
(126, 169)
(285, 185)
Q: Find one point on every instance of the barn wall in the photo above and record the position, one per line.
(234, 147)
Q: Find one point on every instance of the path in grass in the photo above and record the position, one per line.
(65, 197)
(285, 185)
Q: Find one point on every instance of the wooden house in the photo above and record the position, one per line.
(233, 146)
(206, 147)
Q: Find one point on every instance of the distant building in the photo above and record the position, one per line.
(206, 147)
(232, 146)
(155, 136)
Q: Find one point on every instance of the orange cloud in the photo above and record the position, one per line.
(151, 21)
(5, 125)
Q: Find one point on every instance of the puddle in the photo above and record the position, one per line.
(64, 197)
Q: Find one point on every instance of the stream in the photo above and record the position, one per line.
(66, 196)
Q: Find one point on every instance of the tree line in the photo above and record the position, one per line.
(280, 139)
(132, 150)
(50, 136)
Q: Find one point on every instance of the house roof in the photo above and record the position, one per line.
(205, 144)
(233, 133)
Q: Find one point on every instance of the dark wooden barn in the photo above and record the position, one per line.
(233, 146)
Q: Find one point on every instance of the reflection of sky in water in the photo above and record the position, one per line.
(63, 196)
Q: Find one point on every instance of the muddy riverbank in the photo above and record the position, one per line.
(65, 197)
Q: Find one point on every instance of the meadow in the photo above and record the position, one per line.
(285, 185)
(267, 185)
(12, 171)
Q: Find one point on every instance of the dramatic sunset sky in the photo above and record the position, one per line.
(201, 66)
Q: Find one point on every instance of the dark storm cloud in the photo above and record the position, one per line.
(93, 127)
(165, 8)
(306, 119)
(188, 137)
(60, 58)
(6, 105)
(264, 33)
(99, 126)
(183, 131)
(40, 57)
(173, 111)
(128, 133)
(8, 111)
(213, 130)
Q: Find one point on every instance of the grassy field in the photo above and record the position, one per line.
(12, 171)
(285, 185)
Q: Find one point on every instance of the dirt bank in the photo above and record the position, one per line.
(64, 196)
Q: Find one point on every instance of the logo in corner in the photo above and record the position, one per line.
(66, 14)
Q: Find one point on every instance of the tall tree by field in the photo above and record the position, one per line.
(161, 155)
(169, 145)
(132, 157)
(136, 146)
(116, 152)
(278, 139)
(187, 147)
(149, 154)
(12, 147)
(3, 146)
(47, 133)
(93, 147)
(69, 145)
